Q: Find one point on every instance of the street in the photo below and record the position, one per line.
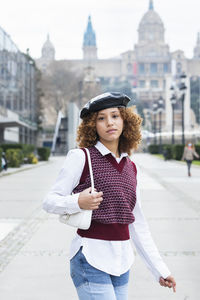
(34, 246)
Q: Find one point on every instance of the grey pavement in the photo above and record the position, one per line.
(34, 246)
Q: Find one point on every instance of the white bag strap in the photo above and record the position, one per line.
(90, 169)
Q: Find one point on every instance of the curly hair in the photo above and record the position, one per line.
(129, 140)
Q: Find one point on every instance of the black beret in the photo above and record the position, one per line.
(103, 101)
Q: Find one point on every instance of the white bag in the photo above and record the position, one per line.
(81, 219)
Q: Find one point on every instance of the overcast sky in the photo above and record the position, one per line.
(114, 21)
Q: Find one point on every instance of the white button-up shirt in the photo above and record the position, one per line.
(112, 257)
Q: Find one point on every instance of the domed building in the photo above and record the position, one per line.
(152, 56)
(144, 67)
(48, 54)
(151, 26)
(148, 68)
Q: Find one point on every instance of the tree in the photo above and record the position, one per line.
(59, 86)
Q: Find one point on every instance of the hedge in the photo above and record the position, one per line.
(11, 146)
(43, 153)
(153, 149)
(26, 148)
(197, 148)
(171, 151)
(32, 159)
(177, 151)
(167, 152)
(14, 157)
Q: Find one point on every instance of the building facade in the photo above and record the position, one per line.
(18, 93)
(147, 68)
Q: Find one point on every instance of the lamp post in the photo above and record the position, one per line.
(155, 106)
(182, 88)
(148, 123)
(173, 103)
(160, 110)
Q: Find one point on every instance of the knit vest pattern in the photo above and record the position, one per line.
(118, 183)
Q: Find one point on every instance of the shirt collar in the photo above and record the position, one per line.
(104, 151)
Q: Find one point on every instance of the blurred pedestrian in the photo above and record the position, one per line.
(165, 152)
(4, 163)
(101, 256)
(188, 155)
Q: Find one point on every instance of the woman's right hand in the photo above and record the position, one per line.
(86, 200)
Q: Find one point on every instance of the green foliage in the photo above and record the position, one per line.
(43, 153)
(153, 149)
(14, 157)
(32, 159)
(167, 151)
(1, 150)
(177, 151)
(197, 148)
(11, 146)
(171, 151)
(27, 149)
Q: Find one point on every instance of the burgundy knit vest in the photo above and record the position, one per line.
(118, 182)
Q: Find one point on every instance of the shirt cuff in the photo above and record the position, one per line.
(163, 272)
(72, 204)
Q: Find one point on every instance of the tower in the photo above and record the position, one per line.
(48, 50)
(89, 42)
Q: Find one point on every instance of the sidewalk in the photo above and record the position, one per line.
(22, 168)
(34, 255)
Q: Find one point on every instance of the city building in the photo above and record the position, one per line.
(149, 68)
(18, 93)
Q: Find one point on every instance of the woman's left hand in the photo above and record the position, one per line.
(168, 282)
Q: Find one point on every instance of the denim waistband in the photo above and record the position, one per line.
(82, 273)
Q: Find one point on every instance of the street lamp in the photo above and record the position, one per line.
(155, 106)
(182, 88)
(173, 103)
(160, 110)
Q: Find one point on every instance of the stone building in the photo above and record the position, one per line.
(147, 68)
(48, 55)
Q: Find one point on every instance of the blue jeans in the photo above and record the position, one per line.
(93, 284)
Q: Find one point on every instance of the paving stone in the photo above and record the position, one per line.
(34, 256)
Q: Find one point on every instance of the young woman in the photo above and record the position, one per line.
(188, 155)
(101, 257)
